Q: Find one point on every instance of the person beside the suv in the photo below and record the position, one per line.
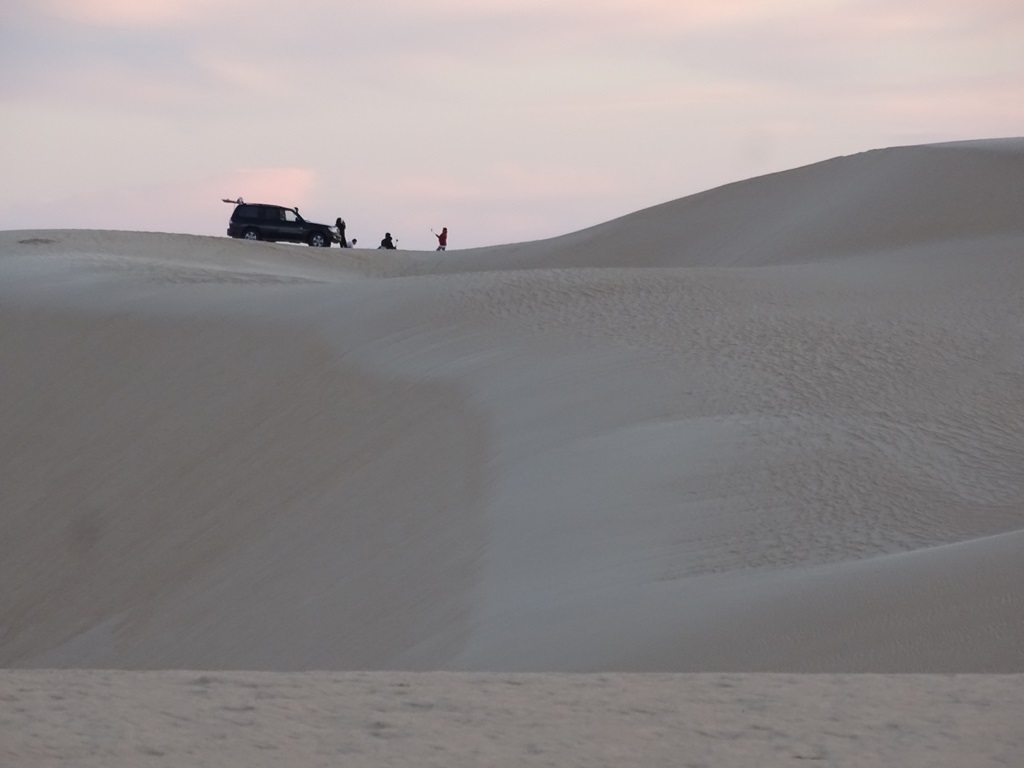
(387, 243)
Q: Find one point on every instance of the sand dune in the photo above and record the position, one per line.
(875, 201)
(719, 434)
(774, 427)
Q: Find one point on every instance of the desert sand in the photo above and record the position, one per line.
(773, 429)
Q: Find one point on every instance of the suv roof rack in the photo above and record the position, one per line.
(239, 201)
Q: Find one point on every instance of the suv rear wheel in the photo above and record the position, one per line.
(251, 234)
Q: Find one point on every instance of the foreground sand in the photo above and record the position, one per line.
(773, 428)
(447, 720)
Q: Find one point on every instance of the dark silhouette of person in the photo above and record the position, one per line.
(442, 239)
(340, 224)
(387, 243)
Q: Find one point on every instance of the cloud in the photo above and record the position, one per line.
(132, 13)
(237, 73)
(187, 206)
(502, 181)
(288, 186)
(956, 107)
(404, 46)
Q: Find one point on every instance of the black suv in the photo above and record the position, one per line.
(258, 221)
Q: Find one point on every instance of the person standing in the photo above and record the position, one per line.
(340, 224)
(442, 239)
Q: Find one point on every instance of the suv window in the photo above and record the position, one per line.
(245, 212)
(289, 215)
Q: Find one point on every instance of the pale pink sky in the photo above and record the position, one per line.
(503, 120)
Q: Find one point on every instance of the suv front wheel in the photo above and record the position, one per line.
(319, 240)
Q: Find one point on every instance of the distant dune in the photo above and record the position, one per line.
(774, 427)
(874, 202)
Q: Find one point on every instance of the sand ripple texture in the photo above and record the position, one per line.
(388, 720)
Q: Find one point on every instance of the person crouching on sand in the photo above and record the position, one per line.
(442, 239)
(387, 243)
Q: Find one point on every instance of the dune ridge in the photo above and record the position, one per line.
(875, 201)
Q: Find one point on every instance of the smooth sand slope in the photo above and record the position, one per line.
(777, 426)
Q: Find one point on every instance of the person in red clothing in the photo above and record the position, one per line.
(442, 239)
